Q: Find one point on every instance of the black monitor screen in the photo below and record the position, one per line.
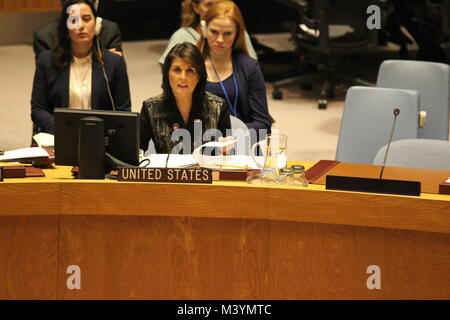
(121, 134)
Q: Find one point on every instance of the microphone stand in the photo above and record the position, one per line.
(396, 113)
(175, 127)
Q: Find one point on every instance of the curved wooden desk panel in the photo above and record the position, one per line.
(230, 200)
(28, 257)
(221, 241)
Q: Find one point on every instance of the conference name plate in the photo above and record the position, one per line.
(174, 175)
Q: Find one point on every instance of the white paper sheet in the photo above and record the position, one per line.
(175, 161)
(181, 161)
(218, 162)
(24, 153)
(44, 139)
(219, 144)
(156, 161)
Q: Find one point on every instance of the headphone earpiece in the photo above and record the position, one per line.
(203, 28)
(98, 25)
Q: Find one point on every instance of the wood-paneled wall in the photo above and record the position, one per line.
(29, 5)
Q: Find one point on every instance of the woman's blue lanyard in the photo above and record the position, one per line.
(234, 106)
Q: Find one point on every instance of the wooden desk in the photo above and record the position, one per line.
(221, 241)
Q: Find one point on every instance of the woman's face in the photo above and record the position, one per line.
(220, 35)
(183, 77)
(84, 31)
(202, 7)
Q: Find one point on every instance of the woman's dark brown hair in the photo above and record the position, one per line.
(192, 54)
(62, 50)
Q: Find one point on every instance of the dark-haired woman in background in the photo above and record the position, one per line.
(182, 102)
(71, 74)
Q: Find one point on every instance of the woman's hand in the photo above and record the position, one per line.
(114, 50)
(224, 150)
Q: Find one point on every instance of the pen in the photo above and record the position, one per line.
(226, 165)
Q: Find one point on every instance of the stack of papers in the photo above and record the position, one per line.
(181, 161)
(230, 162)
(24, 154)
(212, 162)
(174, 161)
(225, 162)
(238, 162)
(44, 139)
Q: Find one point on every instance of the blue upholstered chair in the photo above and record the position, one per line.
(416, 153)
(432, 81)
(368, 118)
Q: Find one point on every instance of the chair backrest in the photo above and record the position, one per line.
(368, 119)
(432, 81)
(240, 131)
(416, 153)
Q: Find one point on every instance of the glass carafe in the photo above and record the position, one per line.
(274, 149)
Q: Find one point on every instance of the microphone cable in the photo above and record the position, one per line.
(104, 74)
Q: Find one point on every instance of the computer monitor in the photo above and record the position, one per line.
(121, 134)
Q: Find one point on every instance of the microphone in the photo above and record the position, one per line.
(175, 127)
(396, 113)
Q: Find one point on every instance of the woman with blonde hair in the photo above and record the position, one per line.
(232, 74)
(192, 12)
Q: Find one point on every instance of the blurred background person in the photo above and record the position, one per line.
(425, 26)
(192, 12)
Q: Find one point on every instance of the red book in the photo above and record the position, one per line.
(319, 169)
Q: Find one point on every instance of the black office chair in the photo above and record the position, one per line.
(317, 39)
(446, 17)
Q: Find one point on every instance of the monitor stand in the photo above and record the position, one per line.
(91, 149)
(93, 161)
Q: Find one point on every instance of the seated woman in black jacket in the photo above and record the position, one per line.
(182, 103)
(71, 75)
